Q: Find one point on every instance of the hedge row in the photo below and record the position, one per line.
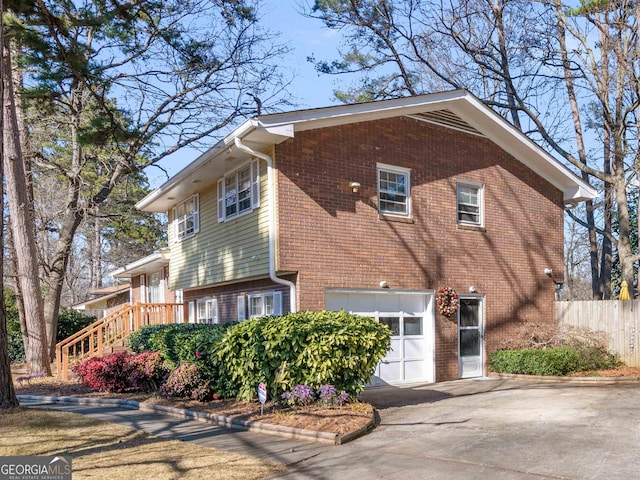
(177, 342)
(551, 361)
(307, 348)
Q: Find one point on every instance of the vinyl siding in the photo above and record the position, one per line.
(222, 252)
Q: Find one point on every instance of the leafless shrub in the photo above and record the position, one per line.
(540, 335)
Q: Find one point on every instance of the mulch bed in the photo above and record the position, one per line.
(340, 420)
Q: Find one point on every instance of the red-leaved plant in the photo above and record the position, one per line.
(122, 372)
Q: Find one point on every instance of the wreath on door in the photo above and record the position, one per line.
(447, 301)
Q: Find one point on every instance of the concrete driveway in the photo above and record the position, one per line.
(491, 429)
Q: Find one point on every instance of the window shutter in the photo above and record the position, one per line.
(196, 214)
(192, 312)
(174, 223)
(277, 304)
(214, 310)
(221, 206)
(241, 308)
(255, 184)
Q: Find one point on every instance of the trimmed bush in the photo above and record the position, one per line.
(122, 372)
(149, 372)
(177, 342)
(551, 361)
(188, 381)
(307, 348)
(110, 373)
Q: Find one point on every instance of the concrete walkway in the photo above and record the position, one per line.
(268, 447)
(471, 429)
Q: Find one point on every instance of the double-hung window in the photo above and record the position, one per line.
(393, 190)
(207, 311)
(469, 199)
(186, 218)
(239, 192)
(267, 303)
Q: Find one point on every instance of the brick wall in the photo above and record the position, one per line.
(335, 238)
(227, 296)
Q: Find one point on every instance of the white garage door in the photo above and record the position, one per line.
(410, 318)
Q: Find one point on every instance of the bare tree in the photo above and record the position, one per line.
(559, 74)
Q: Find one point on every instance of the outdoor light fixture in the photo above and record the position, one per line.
(472, 289)
(549, 273)
(383, 284)
(354, 186)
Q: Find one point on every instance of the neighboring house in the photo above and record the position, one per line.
(147, 283)
(104, 300)
(148, 278)
(374, 208)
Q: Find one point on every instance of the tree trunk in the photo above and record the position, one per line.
(56, 275)
(22, 227)
(17, 290)
(625, 252)
(73, 216)
(7, 392)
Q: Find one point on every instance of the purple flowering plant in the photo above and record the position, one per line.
(324, 395)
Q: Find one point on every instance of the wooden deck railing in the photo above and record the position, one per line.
(103, 334)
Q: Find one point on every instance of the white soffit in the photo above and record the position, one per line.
(148, 264)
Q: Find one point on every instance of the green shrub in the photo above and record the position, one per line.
(139, 342)
(188, 381)
(71, 321)
(177, 342)
(307, 348)
(551, 361)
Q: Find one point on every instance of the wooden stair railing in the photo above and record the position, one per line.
(103, 334)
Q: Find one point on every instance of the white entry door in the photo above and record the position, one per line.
(409, 316)
(470, 338)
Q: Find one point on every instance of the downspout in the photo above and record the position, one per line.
(272, 222)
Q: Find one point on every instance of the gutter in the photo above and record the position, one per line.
(272, 222)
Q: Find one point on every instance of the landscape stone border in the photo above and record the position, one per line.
(301, 434)
(578, 380)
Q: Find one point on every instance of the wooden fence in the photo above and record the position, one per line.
(619, 319)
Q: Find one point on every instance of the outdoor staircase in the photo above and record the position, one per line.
(110, 333)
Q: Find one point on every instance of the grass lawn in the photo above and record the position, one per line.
(104, 450)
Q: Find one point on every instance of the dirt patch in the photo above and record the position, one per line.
(340, 420)
(620, 372)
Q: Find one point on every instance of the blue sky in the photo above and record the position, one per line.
(305, 37)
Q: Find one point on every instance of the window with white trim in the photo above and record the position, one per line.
(393, 190)
(469, 200)
(186, 218)
(207, 310)
(267, 303)
(239, 192)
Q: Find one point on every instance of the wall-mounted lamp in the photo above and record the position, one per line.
(354, 186)
(549, 273)
(473, 289)
(383, 284)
